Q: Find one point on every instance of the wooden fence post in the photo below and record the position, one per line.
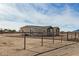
(53, 38)
(78, 36)
(61, 38)
(75, 35)
(42, 40)
(53, 35)
(67, 36)
(24, 42)
(71, 36)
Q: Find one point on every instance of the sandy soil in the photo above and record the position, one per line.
(13, 46)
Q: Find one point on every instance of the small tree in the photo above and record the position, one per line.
(5, 30)
(13, 30)
(9, 30)
(1, 31)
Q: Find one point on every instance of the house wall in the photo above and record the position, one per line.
(33, 29)
(38, 29)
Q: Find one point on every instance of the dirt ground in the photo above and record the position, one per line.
(14, 46)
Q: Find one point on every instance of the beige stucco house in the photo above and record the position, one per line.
(37, 30)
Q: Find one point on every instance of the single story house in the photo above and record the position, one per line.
(39, 30)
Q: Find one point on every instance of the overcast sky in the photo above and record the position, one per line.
(65, 16)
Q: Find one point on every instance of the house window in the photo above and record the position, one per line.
(50, 31)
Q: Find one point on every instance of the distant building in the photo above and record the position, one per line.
(37, 30)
